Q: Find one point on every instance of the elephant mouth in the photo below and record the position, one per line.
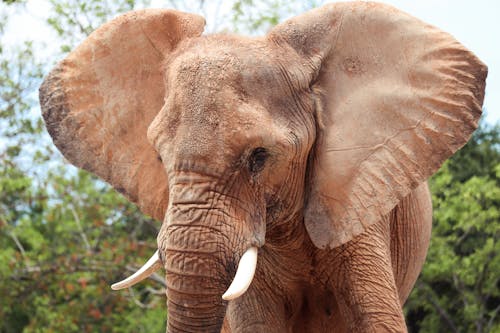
(241, 281)
(244, 275)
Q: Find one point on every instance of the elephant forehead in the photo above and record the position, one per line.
(212, 134)
(214, 140)
(195, 65)
(216, 104)
(203, 85)
(222, 117)
(212, 64)
(216, 87)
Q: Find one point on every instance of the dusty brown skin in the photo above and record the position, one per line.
(312, 143)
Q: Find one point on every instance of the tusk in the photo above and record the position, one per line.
(244, 275)
(151, 266)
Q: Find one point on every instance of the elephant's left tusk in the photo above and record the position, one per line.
(244, 275)
(151, 266)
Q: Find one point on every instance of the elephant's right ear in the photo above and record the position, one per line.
(98, 102)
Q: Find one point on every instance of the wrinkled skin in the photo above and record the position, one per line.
(217, 188)
(226, 186)
(283, 143)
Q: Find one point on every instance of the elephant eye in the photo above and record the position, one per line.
(257, 159)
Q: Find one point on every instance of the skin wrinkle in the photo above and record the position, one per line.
(220, 195)
(195, 327)
(216, 199)
(363, 280)
(192, 284)
(193, 228)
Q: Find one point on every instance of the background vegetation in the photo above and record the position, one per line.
(65, 235)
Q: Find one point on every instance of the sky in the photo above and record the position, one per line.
(476, 24)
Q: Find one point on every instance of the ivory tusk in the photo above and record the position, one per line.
(152, 265)
(244, 275)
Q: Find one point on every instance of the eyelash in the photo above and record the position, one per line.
(257, 159)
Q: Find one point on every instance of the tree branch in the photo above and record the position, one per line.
(459, 284)
(442, 312)
(80, 229)
(492, 319)
(18, 244)
(139, 303)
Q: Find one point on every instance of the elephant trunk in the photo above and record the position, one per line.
(196, 275)
(210, 309)
(193, 306)
(201, 242)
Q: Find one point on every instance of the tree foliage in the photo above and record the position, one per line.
(65, 235)
(458, 290)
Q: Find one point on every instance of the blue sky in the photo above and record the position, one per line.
(476, 24)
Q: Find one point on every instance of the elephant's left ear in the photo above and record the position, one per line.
(398, 97)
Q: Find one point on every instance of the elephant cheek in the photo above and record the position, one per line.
(256, 229)
(253, 224)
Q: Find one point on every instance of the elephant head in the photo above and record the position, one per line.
(322, 125)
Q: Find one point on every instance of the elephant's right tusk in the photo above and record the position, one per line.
(151, 266)
(244, 275)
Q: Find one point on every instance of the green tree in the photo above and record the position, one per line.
(257, 17)
(458, 290)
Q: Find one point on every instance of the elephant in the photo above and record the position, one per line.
(289, 170)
